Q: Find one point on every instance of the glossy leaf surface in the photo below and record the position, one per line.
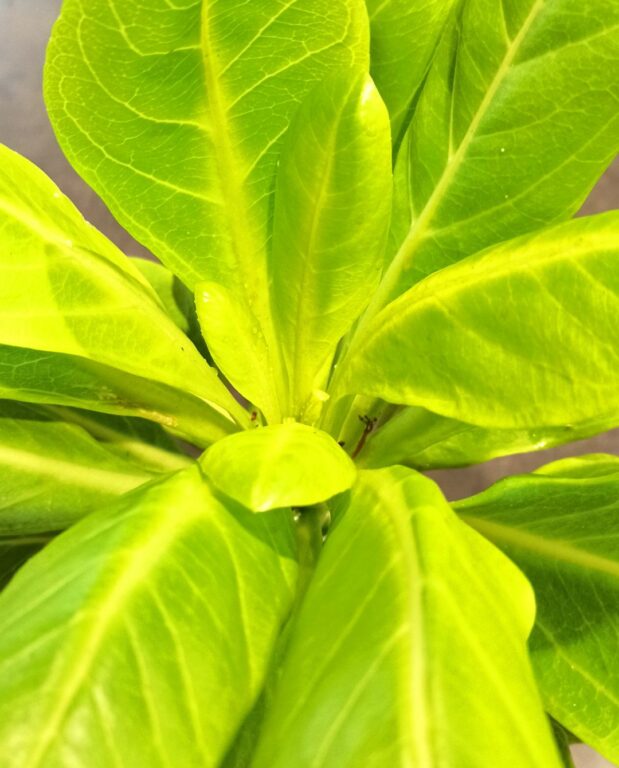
(523, 335)
(409, 648)
(53, 473)
(279, 466)
(84, 297)
(518, 118)
(332, 211)
(403, 37)
(423, 440)
(561, 526)
(118, 637)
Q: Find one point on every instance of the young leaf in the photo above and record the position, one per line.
(53, 473)
(409, 648)
(279, 466)
(190, 109)
(523, 335)
(518, 118)
(559, 525)
(84, 298)
(332, 209)
(47, 377)
(117, 641)
(423, 440)
(403, 39)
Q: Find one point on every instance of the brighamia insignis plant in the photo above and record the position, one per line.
(300, 595)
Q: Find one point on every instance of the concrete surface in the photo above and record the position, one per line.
(24, 28)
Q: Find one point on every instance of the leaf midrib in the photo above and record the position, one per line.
(418, 227)
(74, 474)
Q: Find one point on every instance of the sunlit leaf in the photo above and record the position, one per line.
(561, 526)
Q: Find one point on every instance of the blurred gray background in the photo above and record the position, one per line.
(24, 29)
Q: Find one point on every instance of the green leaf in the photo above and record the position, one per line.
(279, 466)
(563, 745)
(332, 211)
(176, 298)
(84, 297)
(53, 473)
(409, 648)
(141, 442)
(423, 440)
(119, 638)
(559, 525)
(518, 119)
(523, 335)
(17, 550)
(47, 377)
(403, 38)
(189, 103)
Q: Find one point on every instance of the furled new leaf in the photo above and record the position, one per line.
(518, 118)
(561, 526)
(409, 648)
(403, 37)
(279, 466)
(332, 211)
(523, 335)
(423, 440)
(53, 473)
(141, 636)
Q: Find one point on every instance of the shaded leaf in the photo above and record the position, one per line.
(51, 378)
(403, 38)
(423, 440)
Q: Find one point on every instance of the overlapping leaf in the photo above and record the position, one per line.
(409, 648)
(84, 298)
(67, 380)
(191, 111)
(141, 442)
(332, 211)
(561, 526)
(519, 117)
(523, 335)
(141, 636)
(423, 440)
(53, 473)
(403, 37)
